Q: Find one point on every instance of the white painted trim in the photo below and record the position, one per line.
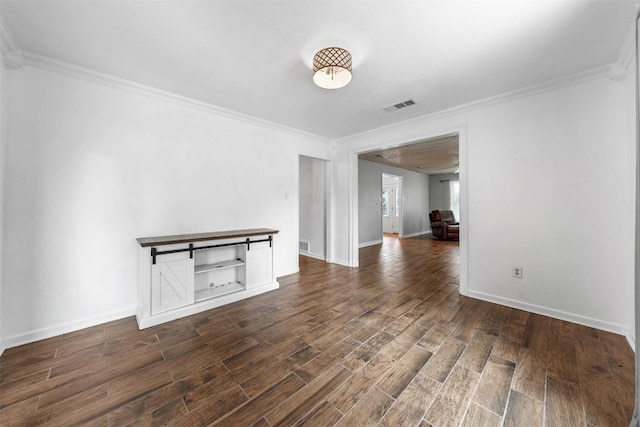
(12, 60)
(556, 314)
(353, 206)
(617, 72)
(331, 243)
(371, 243)
(550, 85)
(328, 226)
(341, 262)
(632, 341)
(7, 42)
(627, 52)
(49, 64)
(461, 131)
(463, 238)
(296, 208)
(312, 255)
(635, 420)
(11, 54)
(63, 328)
(7, 46)
(419, 233)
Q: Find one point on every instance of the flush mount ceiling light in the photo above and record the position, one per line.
(332, 68)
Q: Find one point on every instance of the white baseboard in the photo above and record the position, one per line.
(64, 328)
(341, 262)
(419, 233)
(557, 314)
(312, 255)
(373, 242)
(1, 348)
(632, 341)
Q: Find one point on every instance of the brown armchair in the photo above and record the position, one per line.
(444, 225)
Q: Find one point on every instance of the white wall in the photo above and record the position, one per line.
(312, 213)
(342, 223)
(439, 192)
(560, 160)
(369, 209)
(547, 177)
(415, 201)
(90, 168)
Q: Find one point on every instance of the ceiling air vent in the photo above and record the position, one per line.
(399, 105)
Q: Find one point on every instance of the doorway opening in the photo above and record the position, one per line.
(436, 154)
(391, 202)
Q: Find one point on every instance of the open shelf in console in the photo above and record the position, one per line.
(219, 271)
(230, 263)
(218, 291)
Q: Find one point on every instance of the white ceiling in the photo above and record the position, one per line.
(254, 57)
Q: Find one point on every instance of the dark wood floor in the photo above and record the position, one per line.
(390, 343)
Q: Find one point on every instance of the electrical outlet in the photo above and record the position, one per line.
(517, 272)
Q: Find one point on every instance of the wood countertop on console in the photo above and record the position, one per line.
(199, 237)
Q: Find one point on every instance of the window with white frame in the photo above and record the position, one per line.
(454, 194)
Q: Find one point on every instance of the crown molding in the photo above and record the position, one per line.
(613, 71)
(11, 54)
(548, 86)
(617, 72)
(49, 64)
(8, 44)
(13, 60)
(627, 52)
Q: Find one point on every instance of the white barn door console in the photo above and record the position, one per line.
(188, 273)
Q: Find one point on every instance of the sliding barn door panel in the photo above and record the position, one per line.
(172, 282)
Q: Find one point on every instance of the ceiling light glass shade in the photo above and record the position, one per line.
(332, 68)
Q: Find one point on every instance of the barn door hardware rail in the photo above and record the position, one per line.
(155, 252)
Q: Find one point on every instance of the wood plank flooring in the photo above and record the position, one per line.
(390, 343)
